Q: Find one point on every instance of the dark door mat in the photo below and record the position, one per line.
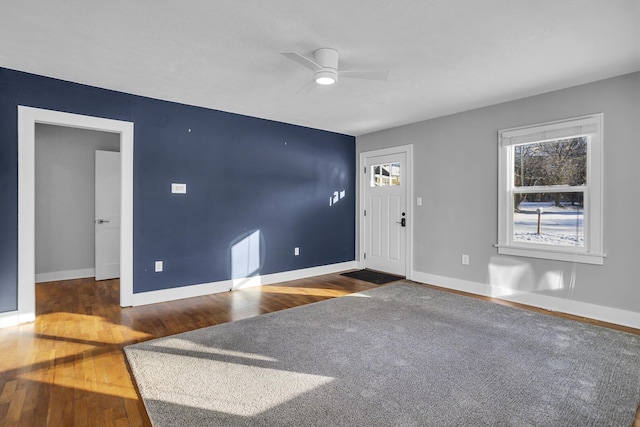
(372, 276)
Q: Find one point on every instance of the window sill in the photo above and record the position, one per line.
(557, 255)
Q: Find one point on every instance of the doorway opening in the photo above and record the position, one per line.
(68, 167)
(28, 117)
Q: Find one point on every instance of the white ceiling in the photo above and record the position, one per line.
(443, 56)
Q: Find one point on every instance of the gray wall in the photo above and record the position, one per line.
(455, 164)
(65, 196)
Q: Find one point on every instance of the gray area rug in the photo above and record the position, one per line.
(398, 355)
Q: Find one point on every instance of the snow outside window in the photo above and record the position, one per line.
(550, 190)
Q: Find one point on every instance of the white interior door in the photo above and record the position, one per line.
(385, 219)
(107, 220)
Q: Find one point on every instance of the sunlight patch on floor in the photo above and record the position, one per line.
(303, 291)
(240, 389)
(359, 296)
(61, 337)
(85, 328)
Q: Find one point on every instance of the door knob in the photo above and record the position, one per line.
(402, 222)
(102, 221)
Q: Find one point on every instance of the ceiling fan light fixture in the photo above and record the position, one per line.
(326, 77)
(325, 67)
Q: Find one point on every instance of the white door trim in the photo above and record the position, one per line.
(27, 119)
(408, 150)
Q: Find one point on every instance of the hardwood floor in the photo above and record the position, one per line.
(68, 368)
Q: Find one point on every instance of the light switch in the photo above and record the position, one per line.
(178, 188)
(159, 266)
(419, 201)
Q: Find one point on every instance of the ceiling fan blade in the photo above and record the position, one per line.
(302, 60)
(308, 87)
(368, 75)
(313, 88)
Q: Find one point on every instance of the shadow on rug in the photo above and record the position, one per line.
(401, 355)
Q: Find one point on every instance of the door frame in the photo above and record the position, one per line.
(408, 177)
(28, 117)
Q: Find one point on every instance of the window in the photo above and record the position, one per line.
(384, 175)
(550, 190)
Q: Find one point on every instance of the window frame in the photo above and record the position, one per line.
(592, 250)
(373, 182)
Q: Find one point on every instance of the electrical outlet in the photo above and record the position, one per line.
(465, 259)
(296, 251)
(177, 188)
(159, 266)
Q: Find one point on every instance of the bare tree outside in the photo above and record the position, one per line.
(550, 163)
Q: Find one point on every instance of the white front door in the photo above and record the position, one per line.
(107, 215)
(385, 216)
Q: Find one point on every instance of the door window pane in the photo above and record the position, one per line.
(386, 174)
(395, 174)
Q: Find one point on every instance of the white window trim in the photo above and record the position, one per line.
(592, 252)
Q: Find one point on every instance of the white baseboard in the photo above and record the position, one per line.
(547, 302)
(173, 294)
(13, 318)
(164, 295)
(65, 275)
(293, 275)
(9, 318)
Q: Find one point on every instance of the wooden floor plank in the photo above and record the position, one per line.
(68, 367)
(15, 408)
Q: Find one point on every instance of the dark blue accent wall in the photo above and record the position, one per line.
(243, 175)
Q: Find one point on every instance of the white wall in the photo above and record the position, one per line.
(455, 173)
(65, 197)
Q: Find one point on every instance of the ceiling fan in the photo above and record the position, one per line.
(325, 67)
